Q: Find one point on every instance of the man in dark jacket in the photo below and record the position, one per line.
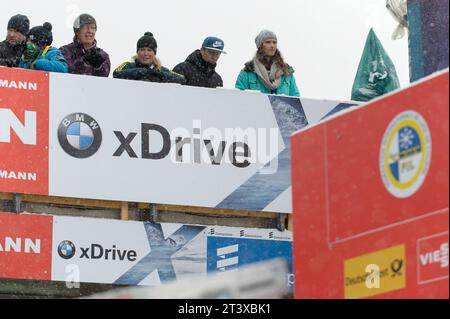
(83, 55)
(146, 66)
(15, 44)
(199, 69)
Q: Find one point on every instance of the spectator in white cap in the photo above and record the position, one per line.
(199, 69)
(267, 72)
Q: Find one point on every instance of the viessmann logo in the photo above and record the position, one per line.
(20, 245)
(18, 85)
(438, 256)
(25, 246)
(67, 250)
(80, 135)
(433, 258)
(26, 131)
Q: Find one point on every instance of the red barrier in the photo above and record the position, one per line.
(371, 197)
(26, 246)
(24, 127)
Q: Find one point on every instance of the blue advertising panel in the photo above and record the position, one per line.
(229, 253)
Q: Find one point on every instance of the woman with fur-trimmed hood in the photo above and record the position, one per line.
(267, 72)
(146, 66)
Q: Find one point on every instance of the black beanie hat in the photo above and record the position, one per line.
(19, 23)
(147, 41)
(41, 35)
(83, 20)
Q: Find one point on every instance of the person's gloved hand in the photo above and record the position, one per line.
(31, 53)
(150, 75)
(94, 58)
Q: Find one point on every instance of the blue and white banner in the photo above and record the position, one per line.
(149, 254)
(231, 248)
(167, 144)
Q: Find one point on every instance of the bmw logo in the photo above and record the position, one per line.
(66, 249)
(79, 135)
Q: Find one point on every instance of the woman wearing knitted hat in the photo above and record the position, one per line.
(39, 54)
(146, 66)
(267, 72)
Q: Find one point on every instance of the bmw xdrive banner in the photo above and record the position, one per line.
(88, 137)
(150, 254)
(89, 250)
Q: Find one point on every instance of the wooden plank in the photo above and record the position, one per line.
(124, 211)
(290, 222)
(124, 206)
(6, 196)
(215, 211)
(143, 205)
(205, 210)
(65, 201)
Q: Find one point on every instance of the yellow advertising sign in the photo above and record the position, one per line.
(375, 273)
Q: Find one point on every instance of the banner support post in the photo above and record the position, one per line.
(17, 200)
(124, 211)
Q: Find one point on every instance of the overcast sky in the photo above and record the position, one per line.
(322, 39)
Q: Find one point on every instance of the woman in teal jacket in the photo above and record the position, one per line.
(267, 72)
(39, 55)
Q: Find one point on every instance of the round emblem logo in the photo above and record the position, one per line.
(405, 154)
(66, 249)
(79, 135)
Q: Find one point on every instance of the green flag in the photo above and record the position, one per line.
(376, 74)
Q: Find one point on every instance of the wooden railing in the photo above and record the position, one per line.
(283, 221)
